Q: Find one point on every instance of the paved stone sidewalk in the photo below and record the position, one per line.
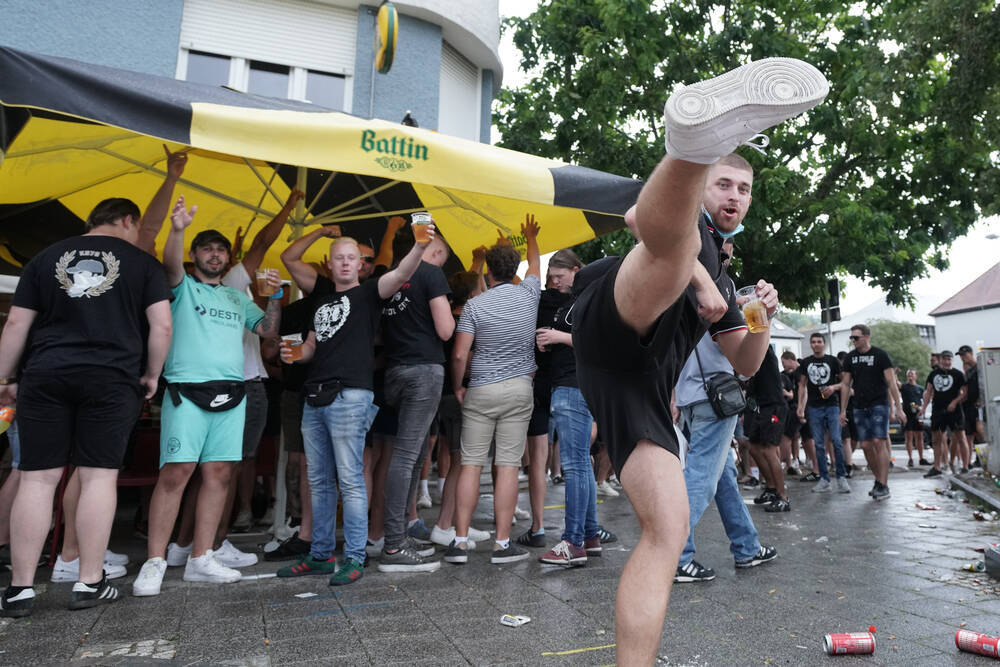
(844, 563)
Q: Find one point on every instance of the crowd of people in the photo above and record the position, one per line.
(385, 360)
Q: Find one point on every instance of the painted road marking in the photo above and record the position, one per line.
(580, 650)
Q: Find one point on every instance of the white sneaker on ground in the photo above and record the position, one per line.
(605, 489)
(150, 578)
(244, 521)
(522, 514)
(69, 571)
(444, 537)
(230, 556)
(424, 500)
(178, 555)
(207, 568)
(111, 558)
(709, 119)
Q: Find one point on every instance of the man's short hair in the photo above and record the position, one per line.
(863, 328)
(736, 161)
(817, 334)
(502, 260)
(565, 259)
(210, 236)
(788, 354)
(110, 211)
(345, 239)
(965, 349)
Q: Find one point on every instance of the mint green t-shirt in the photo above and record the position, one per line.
(208, 332)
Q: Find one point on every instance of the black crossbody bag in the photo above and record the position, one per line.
(322, 394)
(214, 396)
(724, 392)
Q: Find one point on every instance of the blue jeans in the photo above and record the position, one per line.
(334, 441)
(872, 423)
(709, 472)
(572, 420)
(415, 391)
(827, 420)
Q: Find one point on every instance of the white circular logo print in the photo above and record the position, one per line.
(819, 373)
(330, 317)
(943, 383)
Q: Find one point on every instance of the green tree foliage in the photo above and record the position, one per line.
(906, 349)
(797, 320)
(876, 182)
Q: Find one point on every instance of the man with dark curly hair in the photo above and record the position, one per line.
(495, 337)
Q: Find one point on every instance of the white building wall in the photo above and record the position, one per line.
(978, 328)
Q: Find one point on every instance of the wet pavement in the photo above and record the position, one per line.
(844, 563)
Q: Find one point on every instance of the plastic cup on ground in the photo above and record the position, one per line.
(753, 309)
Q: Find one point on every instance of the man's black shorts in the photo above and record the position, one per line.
(80, 417)
(539, 422)
(449, 418)
(947, 421)
(971, 416)
(766, 425)
(792, 423)
(913, 422)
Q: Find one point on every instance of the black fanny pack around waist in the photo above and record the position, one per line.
(322, 394)
(215, 396)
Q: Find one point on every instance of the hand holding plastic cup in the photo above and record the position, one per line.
(263, 287)
(421, 220)
(753, 309)
(291, 348)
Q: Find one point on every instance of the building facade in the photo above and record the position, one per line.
(972, 315)
(445, 72)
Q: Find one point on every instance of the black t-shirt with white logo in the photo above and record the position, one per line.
(947, 384)
(867, 371)
(408, 329)
(91, 295)
(766, 384)
(345, 324)
(820, 372)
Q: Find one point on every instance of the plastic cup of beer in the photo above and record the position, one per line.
(263, 288)
(293, 343)
(753, 309)
(420, 221)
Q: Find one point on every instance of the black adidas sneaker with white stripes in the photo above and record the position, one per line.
(85, 596)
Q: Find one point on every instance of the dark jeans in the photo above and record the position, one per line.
(415, 391)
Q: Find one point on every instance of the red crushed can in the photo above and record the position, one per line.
(976, 642)
(843, 643)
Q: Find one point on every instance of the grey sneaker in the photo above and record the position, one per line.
(709, 119)
(406, 559)
(457, 552)
(843, 486)
(880, 492)
(511, 554)
(822, 486)
(419, 533)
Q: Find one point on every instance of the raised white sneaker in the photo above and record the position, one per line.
(230, 556)
(150, 578)
(424, 500)
(69, 571)
(605, 489)
(111, 558)
(206, 568)
(476, 535)
(522, 514)
(445, 537)
(178, 555)
(709, 119)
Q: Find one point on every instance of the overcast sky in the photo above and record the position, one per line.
(971, 256)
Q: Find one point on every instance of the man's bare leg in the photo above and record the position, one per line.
(538, 454)
(164, 505)
(466, 497)
(878, 459)
(233, 493)
(71, 501)
(185, 524)
(98, 499)
(446, 518)
(215, 483)
(654, 484)
(810, 446)
(770, 467)
(504, 499)
(7, 494)
(29, 522)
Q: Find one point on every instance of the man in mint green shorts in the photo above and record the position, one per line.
(204, 408)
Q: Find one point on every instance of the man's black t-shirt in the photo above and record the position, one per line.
(562, 370)
(867, 371)
(820, 372)
(449, 345)
(407, 324)
(947, 384)
(765, 385)
(345, 324)
(972, 386)
(296, 318)
(548, 304)
(790, 381)
(91, 295)
(913, 396)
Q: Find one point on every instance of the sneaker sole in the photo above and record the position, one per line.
(692, 580)
(561, 561)
(747, 100)
(202, 579)
(594, 552)
(457, 560)
(500, 560)
(15, 613)
(235, 564)
(76, 605)
(423, 567)
(756, 561)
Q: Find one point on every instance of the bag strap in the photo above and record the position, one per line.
(701, 371)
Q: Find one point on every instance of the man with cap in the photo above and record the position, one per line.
(204, 409)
